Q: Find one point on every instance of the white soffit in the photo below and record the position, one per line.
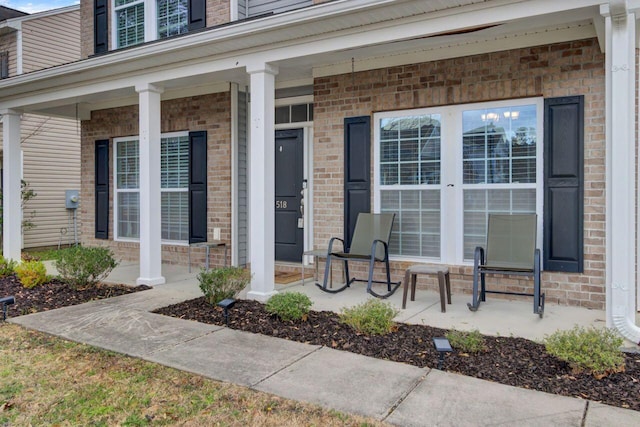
(297, 37)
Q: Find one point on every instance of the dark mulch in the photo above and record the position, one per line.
(514, 361)
(56, 294)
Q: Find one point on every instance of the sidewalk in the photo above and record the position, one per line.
(396, 393)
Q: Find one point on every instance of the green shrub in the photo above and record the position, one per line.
(289, 306)
(468, 342)
(593, 350)
(7, 266)
(373, 317)
(225, 282)
(84, 266)
(31, 273)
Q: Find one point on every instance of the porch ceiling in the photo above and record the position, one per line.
(314, 41)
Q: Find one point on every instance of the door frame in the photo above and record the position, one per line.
(307, 167)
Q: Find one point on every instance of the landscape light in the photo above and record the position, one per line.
(442, 346)
(226, 304)
(5, 302)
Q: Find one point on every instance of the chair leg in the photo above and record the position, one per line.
(478, 258)
(372, 263)
(327, 273)
(441, 286)
(538, 297)
(407, 274)
(414, 277)
(448, 285)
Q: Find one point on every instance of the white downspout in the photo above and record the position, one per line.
(620, 168)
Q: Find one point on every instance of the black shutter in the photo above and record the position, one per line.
(4, 65)
(102, 189)
(563, 184)
(100, 27)
(197, 14)
(357, 172)
(197, 187)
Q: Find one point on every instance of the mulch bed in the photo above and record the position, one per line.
(56, 294)
(507, 360)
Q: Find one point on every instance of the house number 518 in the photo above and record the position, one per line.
(281, 204)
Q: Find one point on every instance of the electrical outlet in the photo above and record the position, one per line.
(216, 234)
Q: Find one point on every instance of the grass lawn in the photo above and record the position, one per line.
(49, 381)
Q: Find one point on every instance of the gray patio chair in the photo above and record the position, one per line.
(370, 243)
(511, 249)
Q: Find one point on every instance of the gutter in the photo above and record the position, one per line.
(622, 255)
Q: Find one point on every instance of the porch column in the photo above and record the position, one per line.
(262, 181)
(150, 216)
(11, 198)
(620, 257)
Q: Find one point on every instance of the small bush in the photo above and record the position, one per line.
(84, 266)
(373, 317)
(7, 266)
(592, 350)
(31, 273)
(225, 282)
(289, 306)
(468, 342)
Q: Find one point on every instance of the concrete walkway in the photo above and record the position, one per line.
(394, 392)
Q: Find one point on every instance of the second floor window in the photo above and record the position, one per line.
(172, 17)
(137, 21)
(129, 17)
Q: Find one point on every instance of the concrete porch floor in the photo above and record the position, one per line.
(494, 317)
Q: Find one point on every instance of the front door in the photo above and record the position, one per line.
(289, 203)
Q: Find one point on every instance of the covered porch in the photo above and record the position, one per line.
(326, 47)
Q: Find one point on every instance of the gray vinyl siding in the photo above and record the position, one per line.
(51, 165)
(243, 211)
(260, 7)
(242, 9)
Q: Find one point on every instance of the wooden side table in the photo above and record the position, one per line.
(443, 282)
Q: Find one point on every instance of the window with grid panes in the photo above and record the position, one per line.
(410, 182)
(174, 183)
(499, 167)
(129, 19)
(172, 17)
(490, 163)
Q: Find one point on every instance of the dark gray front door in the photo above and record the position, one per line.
(289, 176)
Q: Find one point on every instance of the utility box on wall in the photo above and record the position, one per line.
(72, 199)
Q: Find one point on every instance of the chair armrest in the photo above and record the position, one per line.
(386, 249)
(330, 249)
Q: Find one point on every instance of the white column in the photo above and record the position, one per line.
(262, 181)
(11, 198)
(150, 217)
(620, 72)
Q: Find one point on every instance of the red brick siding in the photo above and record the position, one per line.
(571, 68)
(206, 112)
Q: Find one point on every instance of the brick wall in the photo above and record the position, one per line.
(572, 68)
(206, 112)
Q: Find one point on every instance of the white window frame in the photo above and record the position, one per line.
(451, 174)
(116, 191)
(150, 20)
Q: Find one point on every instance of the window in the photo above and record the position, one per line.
(129, 17)
(443, 170)
(174, 183)
(171, 17)
(410, 182)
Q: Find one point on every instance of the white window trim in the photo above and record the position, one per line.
(116, 237)
(451, 186)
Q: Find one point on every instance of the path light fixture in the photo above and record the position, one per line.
(443, 347)
(226, 304)
(5, 302)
